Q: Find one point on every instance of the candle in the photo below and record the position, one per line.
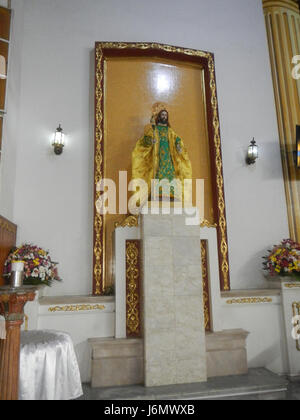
(17, 266)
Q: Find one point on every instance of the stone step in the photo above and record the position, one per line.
(256, 384)
(226, 353)
(118, 362)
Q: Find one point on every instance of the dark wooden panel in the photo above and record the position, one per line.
(8, 233)
(4, 49)
(4, 23)
(2, 93)
(4, 53)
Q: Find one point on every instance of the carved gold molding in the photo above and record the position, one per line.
(133, 221)
(292, 285)
(129, 221)
(153, 45)
(205, 285)
(207, 224)
(99, 221)
(76, 308)
(220, 182)
(98, 218)
(296, 312)
(251, 300)
(132, 288)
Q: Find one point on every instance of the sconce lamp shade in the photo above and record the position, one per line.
(252, 154)
(298, 146)
(59, 139)
(2, 67)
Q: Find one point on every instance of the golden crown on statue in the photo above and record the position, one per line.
(158, 107)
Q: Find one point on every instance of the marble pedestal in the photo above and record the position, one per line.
(174, 336)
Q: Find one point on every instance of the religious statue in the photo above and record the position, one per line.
(161, 155)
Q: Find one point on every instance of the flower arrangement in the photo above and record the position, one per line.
(38, 266)
(284, 259)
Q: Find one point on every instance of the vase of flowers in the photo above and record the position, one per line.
(39, 269)
(283, 261)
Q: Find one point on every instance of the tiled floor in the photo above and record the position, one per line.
(293, 391)
(258, 384)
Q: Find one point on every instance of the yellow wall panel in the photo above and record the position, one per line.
(132, 86)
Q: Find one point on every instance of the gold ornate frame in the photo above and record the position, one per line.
(105, 50)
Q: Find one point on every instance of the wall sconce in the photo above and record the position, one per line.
(58, 142)
(252, 154)
(297, 152)
(2, 67)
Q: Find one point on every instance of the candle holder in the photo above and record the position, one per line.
(17, 274)
(16, 279)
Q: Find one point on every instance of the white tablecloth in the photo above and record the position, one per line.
(48, 367)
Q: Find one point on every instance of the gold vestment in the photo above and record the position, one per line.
(146, 159)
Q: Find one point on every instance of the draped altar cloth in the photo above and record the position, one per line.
(48, 367)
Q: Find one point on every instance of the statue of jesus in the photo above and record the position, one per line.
(160, 154)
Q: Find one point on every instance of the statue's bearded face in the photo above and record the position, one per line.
(163, 117)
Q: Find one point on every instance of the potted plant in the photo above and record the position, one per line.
(283, 261)
(39, 269)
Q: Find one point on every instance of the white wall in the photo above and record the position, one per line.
(4, 3)
(53, 195)
(266, 343)
(11, 134)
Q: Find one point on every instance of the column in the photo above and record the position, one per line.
(283, 30)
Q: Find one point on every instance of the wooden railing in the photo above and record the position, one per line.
(8, 233)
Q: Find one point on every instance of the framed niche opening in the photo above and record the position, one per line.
(129, 79)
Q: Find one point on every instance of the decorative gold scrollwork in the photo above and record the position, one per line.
(206, 223)
(129, 221)
(132, 295)
(205, 286)
(250, 300)
(76, 308)
(296, 314)
(98, 218)
(292, 285)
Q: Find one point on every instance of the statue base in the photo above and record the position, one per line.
(173, 299)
